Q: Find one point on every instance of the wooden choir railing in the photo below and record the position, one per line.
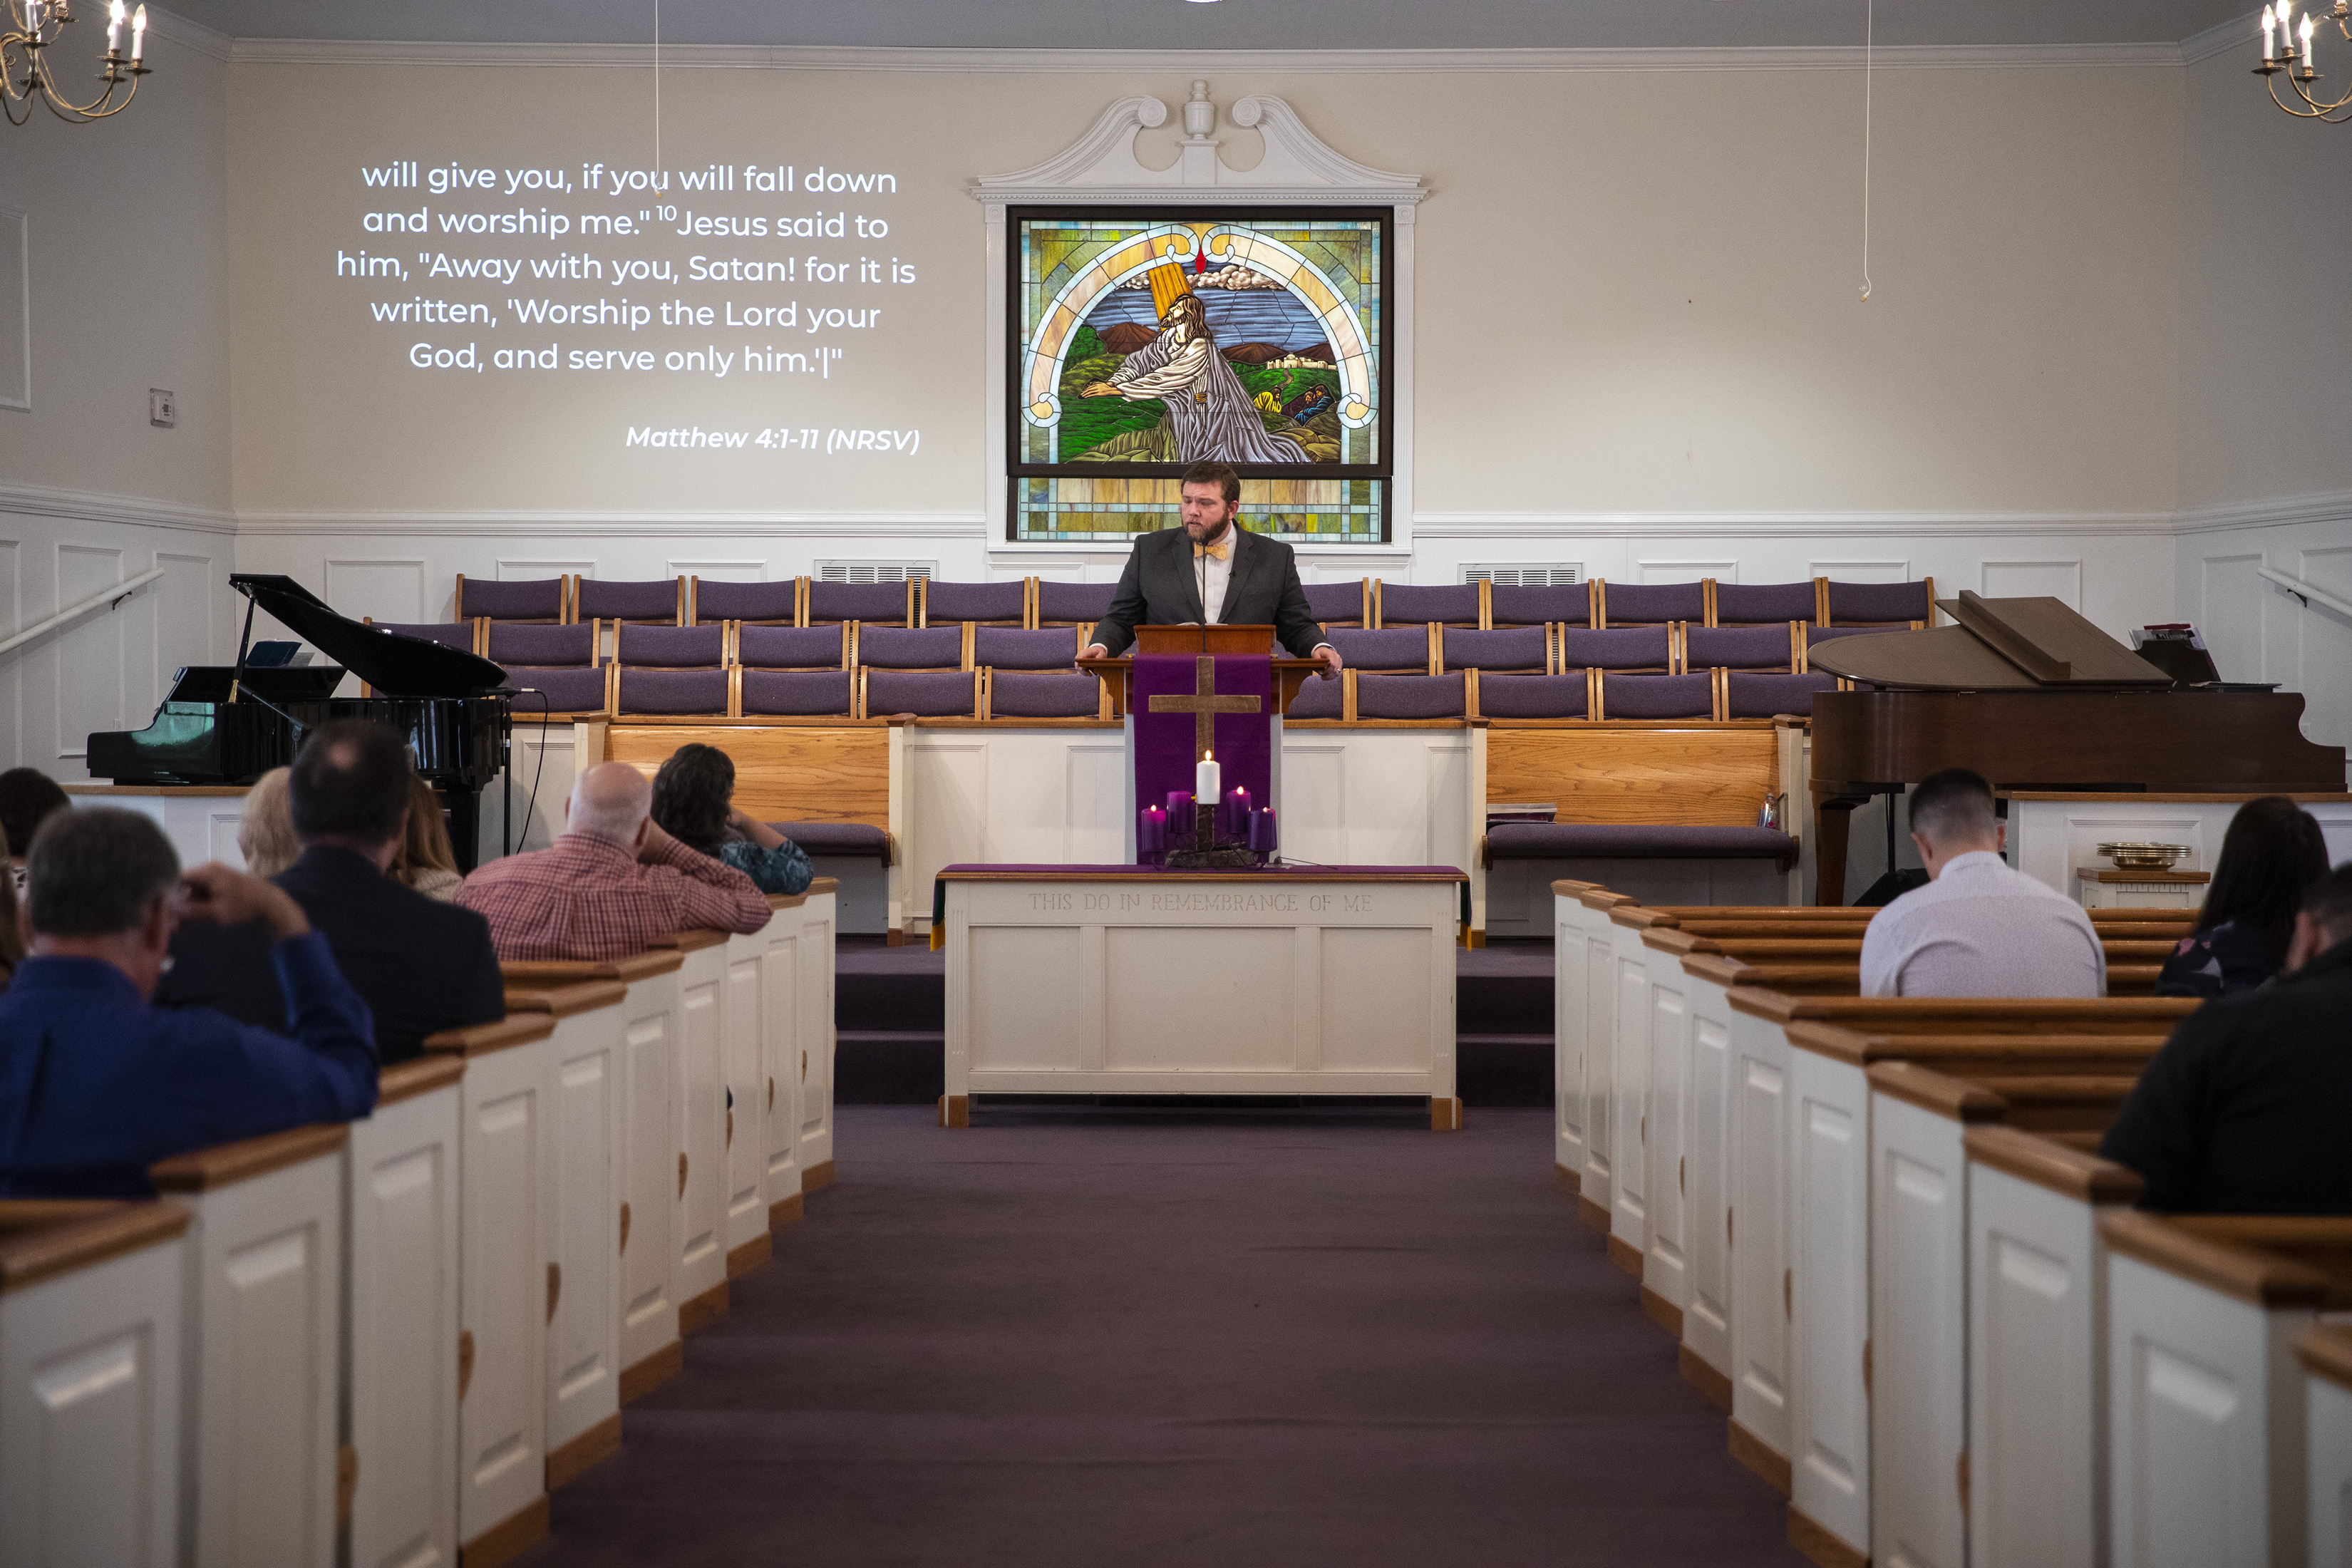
(390, 1341)
(1800, 1177)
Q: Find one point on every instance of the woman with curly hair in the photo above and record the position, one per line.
(694, 803)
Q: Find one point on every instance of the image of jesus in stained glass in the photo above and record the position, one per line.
(1210, 415)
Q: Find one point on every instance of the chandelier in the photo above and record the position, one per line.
(28, 78)
(2283, 58)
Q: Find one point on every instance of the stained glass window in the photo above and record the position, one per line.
(1148, 341)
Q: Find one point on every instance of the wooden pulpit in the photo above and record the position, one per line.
(1193, 640)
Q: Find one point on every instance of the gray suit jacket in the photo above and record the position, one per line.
(1158, 589)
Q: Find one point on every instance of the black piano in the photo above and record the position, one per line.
(229, 724)
(2035, 697)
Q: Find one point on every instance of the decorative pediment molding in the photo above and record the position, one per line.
(1297, 165)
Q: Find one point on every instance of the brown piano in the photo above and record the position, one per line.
(2033, 696)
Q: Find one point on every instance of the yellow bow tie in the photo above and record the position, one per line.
(1223, 548)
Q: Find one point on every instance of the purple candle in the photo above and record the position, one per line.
(1237, 810)
(1180, 805)
(1261, 838)
(1152, 831)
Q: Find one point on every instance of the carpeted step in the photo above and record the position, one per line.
(1496, 1070)
(888, 1066)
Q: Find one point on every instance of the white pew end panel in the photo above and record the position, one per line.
(91, 1308)
(263, 1347)
(2326, 1356)
(400, 1312)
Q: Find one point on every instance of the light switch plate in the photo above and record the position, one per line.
(163, 408)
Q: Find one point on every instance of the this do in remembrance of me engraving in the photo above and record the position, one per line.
(1202, 903)
(729, 272)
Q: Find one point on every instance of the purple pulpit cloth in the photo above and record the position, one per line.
(1243, 747)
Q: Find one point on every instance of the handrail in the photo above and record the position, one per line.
(2295, 585)
(111, 597)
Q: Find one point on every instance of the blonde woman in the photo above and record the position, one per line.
(426, 861)
(266, 837)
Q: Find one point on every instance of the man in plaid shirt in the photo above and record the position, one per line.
(611, 884)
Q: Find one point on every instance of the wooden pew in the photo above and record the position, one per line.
(2032, 1478)
(262, 1346)
(2326, 1352)
(1916, 1356)
(92, 1297)
(795, 955)
(649, 1027)
(2207, 1425)
(698, 1113)
(507, 1142)
(1797, 1373)
(402, 1167)
(1584, 1014)
(585, 1098)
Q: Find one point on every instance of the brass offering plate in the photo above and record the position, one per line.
(2142, 856)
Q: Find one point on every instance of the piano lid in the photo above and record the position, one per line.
(2000, 645)
(393, 665)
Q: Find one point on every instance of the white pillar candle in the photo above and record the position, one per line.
(1206, 779)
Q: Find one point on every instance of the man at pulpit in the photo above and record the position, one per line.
(1211, 571)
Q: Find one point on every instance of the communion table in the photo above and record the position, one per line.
(1318, 980)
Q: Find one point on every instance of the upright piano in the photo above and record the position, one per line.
(2035, 697)
(228, 724)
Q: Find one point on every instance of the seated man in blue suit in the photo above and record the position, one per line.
(97, 1084)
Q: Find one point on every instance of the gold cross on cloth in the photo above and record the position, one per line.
(1204, 705)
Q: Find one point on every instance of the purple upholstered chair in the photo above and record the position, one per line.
(1318, 699)
(1409, 696)
(1616, 647)
(1386, 647)
(792, 648)
(1739, 647)
(1657, 697)
(1525, 650)
(575, 688)
(1510, 604)
(1073, 604)
(1337, 603)
(1532, 696)
(1760, 696)
(797, 693)
(766, 604)
(1755, 604)
(1882, 604)
(1417, 604)
(659, 601)
(872, 603)
(1013, 648)
(1032, 694)
(458, 635)
(1652, 603)
(986, 604)
(670, 648)
(922, 693)
(660, 691)
(541, 599)
(911, 647)
(538, 646)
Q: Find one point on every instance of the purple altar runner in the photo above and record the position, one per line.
(1164, 741)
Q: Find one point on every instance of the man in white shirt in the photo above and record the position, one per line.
(1976, 928)
(1213, 572)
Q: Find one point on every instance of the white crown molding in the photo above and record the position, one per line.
(2221, 38)
(1296, 165)
(862, 526)
(1188, 62)
(96, 506)
(2286, 512)
(209, 41)
(1524, 525)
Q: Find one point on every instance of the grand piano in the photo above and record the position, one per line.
(2035, 697)
(228, 724)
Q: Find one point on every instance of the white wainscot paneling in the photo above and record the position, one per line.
(2324, 647)
(1688, 571)
(1011, 795)
(90, 652)
(1860, 571)
(2032, 580)
(12, 677)
(533, 568)
(377, 590)
(2231, 602)
(1378, 797)
(184, 614)
(718, 571)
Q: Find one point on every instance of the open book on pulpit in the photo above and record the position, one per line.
(1203, 710)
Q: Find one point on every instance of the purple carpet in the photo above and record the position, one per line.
(1129, 1339)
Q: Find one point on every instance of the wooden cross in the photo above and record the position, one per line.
(1204, 705)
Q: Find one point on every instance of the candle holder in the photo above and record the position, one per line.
(1204, 844)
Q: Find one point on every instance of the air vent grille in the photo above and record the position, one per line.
(1557, 575)
(872, 571)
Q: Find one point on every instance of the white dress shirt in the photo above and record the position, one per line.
(1982, 930)
(1212, 576)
